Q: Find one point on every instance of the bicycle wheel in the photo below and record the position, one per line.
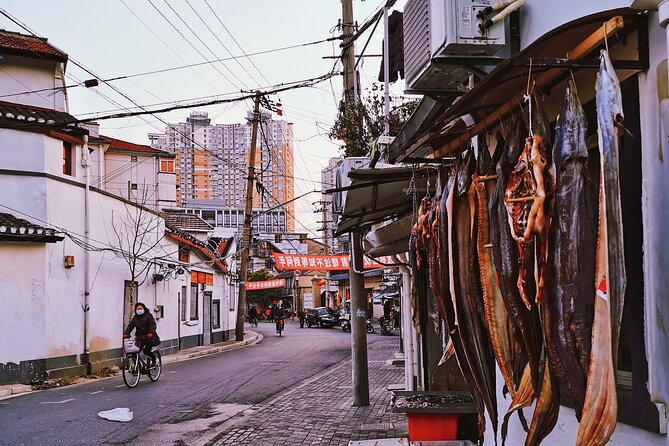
(156, 370)
(131, 371)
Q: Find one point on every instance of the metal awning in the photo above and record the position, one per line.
(388, 239)
(377, 195)
(574, 46)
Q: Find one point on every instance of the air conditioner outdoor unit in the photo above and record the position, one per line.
(342, 180)
(443, 28)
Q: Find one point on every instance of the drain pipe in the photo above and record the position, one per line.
(85, 163)
(409, 334)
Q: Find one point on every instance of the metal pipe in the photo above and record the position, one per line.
(85, 163)
(386, 74)
(409, 333)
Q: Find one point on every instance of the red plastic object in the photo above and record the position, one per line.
(432, 426)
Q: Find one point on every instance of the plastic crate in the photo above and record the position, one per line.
(433, 426)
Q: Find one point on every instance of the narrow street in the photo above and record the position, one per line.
(189, 398)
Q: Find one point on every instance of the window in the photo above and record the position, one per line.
(133, 159)
(182, 303)
(167, 165)
(184, 254)
(216, 314)
(193, 301)
(67, 158)
(133, 186)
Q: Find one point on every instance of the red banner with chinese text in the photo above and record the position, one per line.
(324, 263)
(265, 284)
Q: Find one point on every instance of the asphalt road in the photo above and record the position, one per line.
(189, 397)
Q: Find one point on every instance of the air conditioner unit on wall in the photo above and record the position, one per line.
(443, 28)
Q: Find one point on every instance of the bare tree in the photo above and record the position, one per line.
(138, 235)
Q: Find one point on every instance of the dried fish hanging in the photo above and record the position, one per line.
(600, 409)
(570, 276)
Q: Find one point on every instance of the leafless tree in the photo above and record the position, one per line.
(138, 233)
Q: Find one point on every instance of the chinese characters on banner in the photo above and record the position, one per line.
(265, 284)
(324, 263)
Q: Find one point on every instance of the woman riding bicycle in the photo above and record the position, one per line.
(145, 331)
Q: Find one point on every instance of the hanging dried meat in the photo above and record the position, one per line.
(505, 257)
(598, 420)
(570, 279)
(498, 323)
(465, 288)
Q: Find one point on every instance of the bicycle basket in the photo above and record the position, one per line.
(129, 345)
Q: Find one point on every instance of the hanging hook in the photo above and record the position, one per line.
(606, 39)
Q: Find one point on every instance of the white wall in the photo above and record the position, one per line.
(20, 74)
(538, 17)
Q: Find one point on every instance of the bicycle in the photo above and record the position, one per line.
(135, 364)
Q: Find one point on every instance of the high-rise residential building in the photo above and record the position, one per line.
(212, 164)
(329, 181)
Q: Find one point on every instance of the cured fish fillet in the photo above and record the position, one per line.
(598, 419)
(525, 326)
(496, 316)
(609, 122)
(570, 279)
(473, 335)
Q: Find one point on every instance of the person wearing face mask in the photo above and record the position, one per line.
(145, 331)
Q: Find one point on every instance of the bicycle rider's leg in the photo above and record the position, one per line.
(149, 354)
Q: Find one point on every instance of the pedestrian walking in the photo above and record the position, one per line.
(301, 315)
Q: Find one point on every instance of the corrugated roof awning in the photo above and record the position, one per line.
(574, 46)
(377, 195)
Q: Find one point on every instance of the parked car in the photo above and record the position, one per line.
(322, 317)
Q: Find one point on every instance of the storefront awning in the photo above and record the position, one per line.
(574, 46)
(377, 195)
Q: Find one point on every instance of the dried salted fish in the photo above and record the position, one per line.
(570, 279)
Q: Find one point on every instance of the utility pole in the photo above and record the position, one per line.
(348, 57)
(356, 278)
(246, 234)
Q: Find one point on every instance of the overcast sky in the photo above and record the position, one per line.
(110, 39)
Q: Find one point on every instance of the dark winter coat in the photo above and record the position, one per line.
(143, 325)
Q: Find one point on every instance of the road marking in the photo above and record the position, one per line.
(58, 402)
(95, 393)
(120, 385)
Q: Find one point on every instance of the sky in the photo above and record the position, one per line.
(121, 37)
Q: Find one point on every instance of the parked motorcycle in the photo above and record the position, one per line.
(388, 324)
(346, 325)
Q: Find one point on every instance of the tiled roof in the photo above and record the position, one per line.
(15, 229)
(187, 239)
(29, 46)
(181, 220)
(28, 117)
(118, 145)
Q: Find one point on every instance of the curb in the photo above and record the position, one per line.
(14, 389)
(253, 339)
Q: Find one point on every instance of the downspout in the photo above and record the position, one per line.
(409, 332)
(651, 339)
(85, 163)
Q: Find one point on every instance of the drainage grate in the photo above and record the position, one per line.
(377, 427)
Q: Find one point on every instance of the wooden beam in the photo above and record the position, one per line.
(490, 121)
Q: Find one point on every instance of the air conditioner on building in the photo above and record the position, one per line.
(437, 29)
(342, 180)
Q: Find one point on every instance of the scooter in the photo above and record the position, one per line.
(346, 325)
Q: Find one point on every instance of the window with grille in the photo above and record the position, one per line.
(194, 302)
(184, 297)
